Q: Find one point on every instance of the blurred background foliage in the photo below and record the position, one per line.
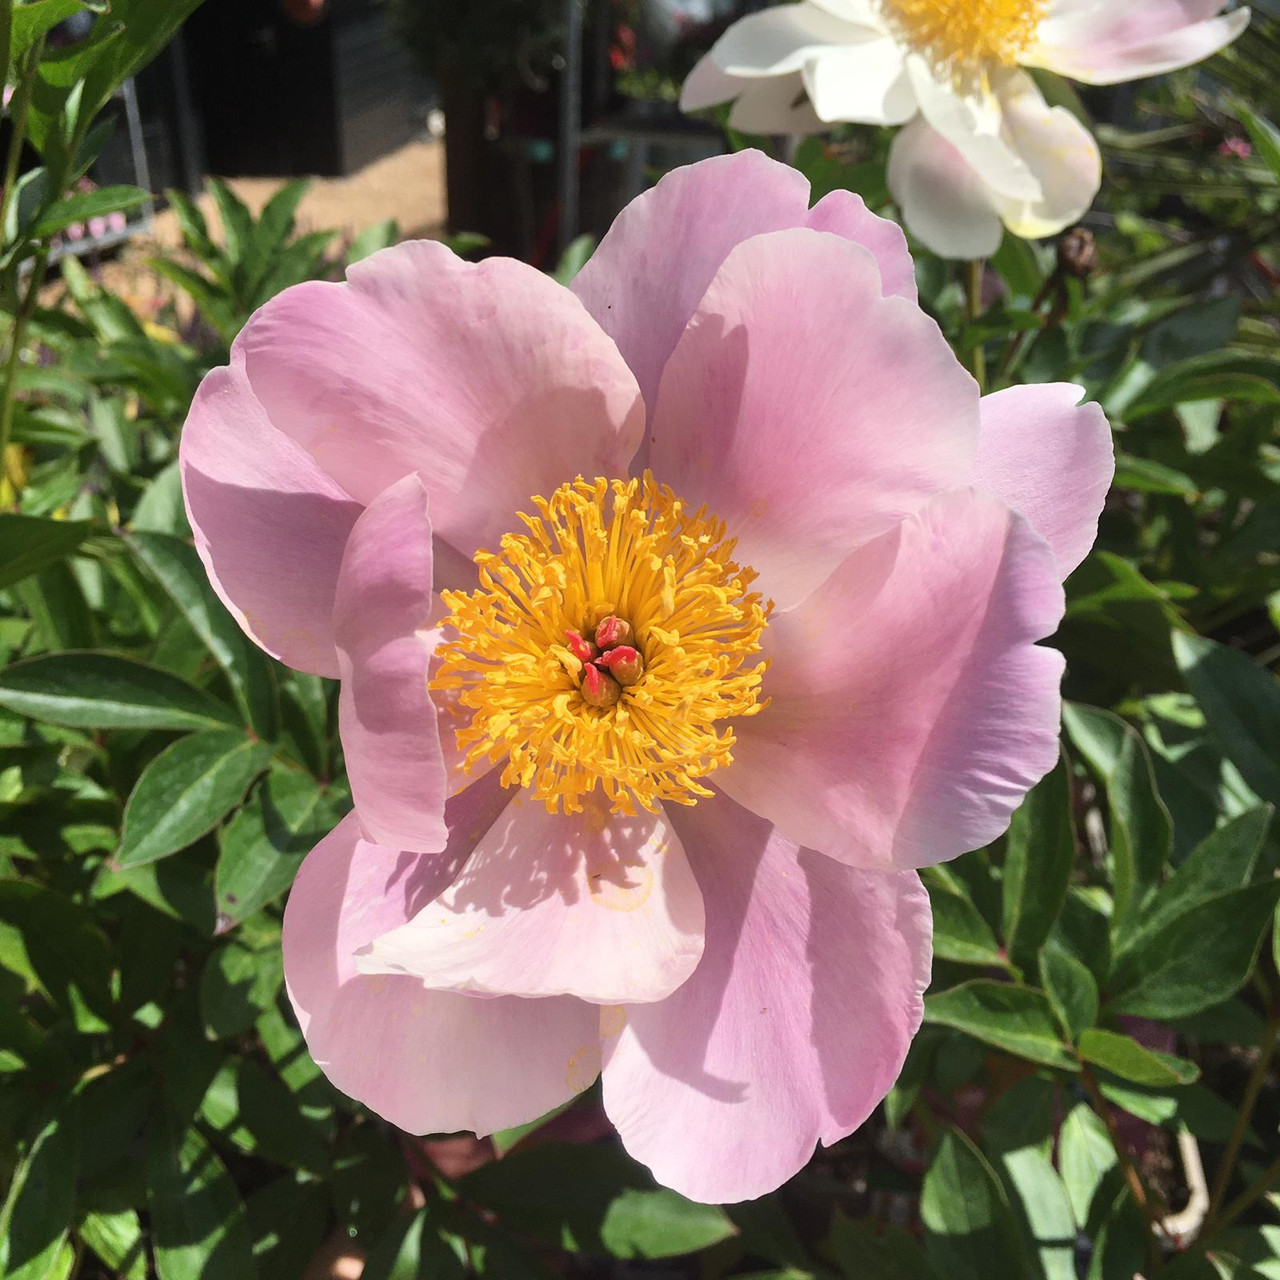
(1094, 1094)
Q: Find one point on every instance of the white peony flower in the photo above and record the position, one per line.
(981, 146)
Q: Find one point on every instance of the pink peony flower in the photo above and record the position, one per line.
(981, 147)
(680, 617)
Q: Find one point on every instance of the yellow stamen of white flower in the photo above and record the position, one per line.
(632, 550)
(966, 37)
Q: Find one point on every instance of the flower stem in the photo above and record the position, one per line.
(1257, 1077)
(1264, 1184)
(16, 340)
(1132, 1177)
(973, 313)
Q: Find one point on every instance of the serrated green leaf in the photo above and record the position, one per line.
(1014, 1018)
(186, 791)
(103, 691)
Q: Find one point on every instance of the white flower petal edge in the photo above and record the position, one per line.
(979, 151)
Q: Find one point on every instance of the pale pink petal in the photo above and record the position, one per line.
(945, 204)
(428, 1061)
(594, 905)
(646, 279)
(794, 1026)
(1106, 43)
(1057, 148)
(911, 707)
(390, 739)
(269, 525)
(1051, 459)
(807, 410)
(489, 379)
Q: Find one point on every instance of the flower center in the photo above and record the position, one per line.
(604, 647)
(960, 37)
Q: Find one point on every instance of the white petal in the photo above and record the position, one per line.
(944, 203)
(778, 105)
(1058, 149)
(779, 41)
(973, 124)
(865, 83)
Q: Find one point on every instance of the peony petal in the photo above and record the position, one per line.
(595, 905)
(387, 719)
(488, 379)
(944, 203)
(911, 707)
(269, 525)
(776, 105)
(428, 1061)
(780, 40)
(647, 277)
(1057, 148)
(808, 411)
(1051, 459)
(1105, 43)
(795, 1024)
(974, 125)
(866, 83)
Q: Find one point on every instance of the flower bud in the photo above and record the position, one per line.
(623, 663)
(581, 648)
(613, 631)
(1078, 253)
(599, 688)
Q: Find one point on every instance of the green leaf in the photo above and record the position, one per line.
(1141, 831)
(237, 221)
(1043, 1209)
(864, 1249)
(256, 1113)
(103, 691)
(595, 1199)
(1197, 959)
(573, 259)
(1039, 852)
(118, 1240)
(237, 986)
(36, 1218)
(382, 235)
(1265, 137)
(970, 1233)
(31, 543)
(289, 1219)
(264, 844)
(198, 1222)
(186, 791)
(412, 1249)
(959, 931)
(84, 205)
(1126, 1058)
(35, 19)
(1224, 861)
(1014, 1018)
(176, 566)
(59, 942)
(1071, 989)
(1085, 1158)
(1241, 703)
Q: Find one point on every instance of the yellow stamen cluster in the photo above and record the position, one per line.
(964, 37)
(630, 548)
